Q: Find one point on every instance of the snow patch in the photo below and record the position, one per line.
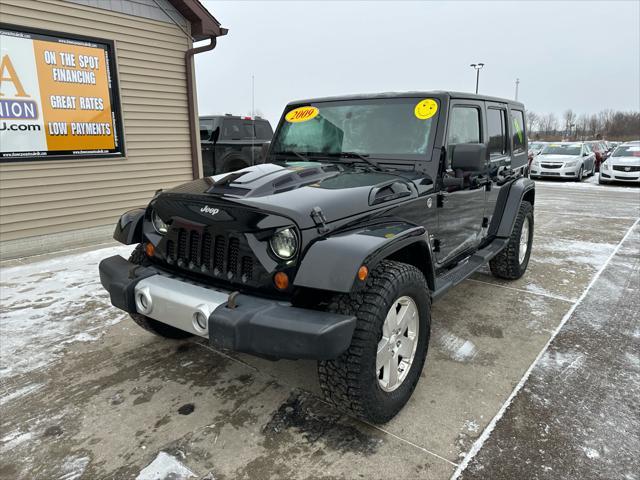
(20, 392)
(48, 304)
(13, 439)
(471, 426)
(74, 467)
(590, 452)
(576, 251)
(165, 466)
(456, 348)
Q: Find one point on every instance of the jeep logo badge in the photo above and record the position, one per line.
(209, 210)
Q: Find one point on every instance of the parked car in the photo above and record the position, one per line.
(231, 142)
(564, 160)
(623, 165)
(534, 149)
(600, 152)
(370, 208)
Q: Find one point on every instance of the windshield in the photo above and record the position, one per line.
(536, 146)
(626, 151)
(561, 150)
(383, 128)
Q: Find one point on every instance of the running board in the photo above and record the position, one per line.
(467, 266)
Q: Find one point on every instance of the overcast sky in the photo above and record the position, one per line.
(579, 55)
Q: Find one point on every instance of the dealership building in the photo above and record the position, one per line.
(97, 112)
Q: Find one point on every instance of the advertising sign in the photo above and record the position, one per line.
(57, 97)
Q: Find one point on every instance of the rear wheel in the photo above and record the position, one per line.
(512, 262)
(157, 328)
(377, 374)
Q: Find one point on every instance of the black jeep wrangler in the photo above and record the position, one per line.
(367, 209)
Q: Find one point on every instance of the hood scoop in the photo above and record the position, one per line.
(269, 179)
(389, 191)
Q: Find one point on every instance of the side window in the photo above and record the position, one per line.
(232, 129)
(464, 125)
(517, 123)
(497, 129)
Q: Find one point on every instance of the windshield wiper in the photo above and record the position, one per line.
(360, 156)
(291, 153)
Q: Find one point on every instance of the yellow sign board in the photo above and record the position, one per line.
(57, 97)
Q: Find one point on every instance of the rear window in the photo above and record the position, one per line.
(263, 130)
(517, 123)
(242, 129)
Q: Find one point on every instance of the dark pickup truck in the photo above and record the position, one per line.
(231, 142)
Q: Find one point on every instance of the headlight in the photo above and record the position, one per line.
(284, 243)
(604, 166)
(571, 163)
(158, 224)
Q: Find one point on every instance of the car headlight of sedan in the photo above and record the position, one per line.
(284, 243)
(571, 163)
(158, 224)
(604, 166)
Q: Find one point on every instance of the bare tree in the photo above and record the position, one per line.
(569, 119)
(533, 121)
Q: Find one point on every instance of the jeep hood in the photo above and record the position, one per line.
(294, 189)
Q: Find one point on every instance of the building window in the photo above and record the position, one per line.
(517, 125)
(497, 128)
(58, 97)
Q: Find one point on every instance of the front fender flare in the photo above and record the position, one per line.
(332, 263)
(129, 227)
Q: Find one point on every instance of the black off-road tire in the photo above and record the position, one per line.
(157, 328)
(350, 381)
(507, 264)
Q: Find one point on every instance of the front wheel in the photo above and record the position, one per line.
(512, 262)
(580, 174)
(377, 374)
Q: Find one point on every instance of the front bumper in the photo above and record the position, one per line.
(561, 172)
(254, 325)
(612, 175)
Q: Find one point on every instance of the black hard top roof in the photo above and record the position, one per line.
(423, 94)
(227, 115)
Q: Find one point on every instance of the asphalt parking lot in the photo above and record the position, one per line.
(85, 393)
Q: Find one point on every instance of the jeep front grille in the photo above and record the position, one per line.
(219, 256)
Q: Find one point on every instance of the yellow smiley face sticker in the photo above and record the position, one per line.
(425, 109)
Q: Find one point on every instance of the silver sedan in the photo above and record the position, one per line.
(567, 160)
(623, 165)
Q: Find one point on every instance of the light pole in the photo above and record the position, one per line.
(517, 83)
(477, 67)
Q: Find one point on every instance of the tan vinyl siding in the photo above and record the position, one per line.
(47, 197)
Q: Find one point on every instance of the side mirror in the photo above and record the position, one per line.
(469, 157)
(264, 151)
(215, 135)
(585, 154)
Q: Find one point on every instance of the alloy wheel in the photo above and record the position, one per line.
(397, 348)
